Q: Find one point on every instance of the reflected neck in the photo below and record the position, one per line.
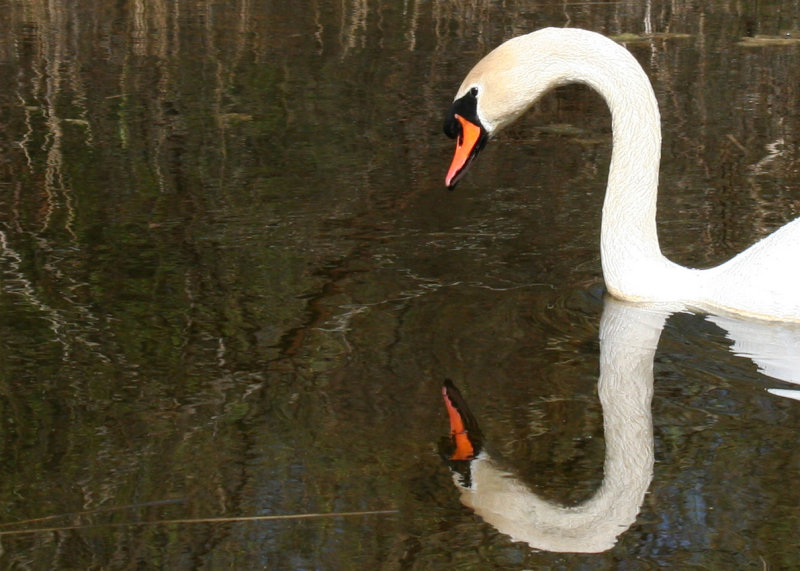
(628, 340)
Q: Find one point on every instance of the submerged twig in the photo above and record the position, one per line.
(94, 511)
(238, 519)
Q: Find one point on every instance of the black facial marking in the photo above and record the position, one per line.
(467, 107)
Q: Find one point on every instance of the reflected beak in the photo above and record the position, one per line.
(470, 142)
(464, 431)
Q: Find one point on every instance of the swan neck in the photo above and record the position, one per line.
(629, 237)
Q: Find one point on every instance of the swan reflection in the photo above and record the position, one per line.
(629, 335)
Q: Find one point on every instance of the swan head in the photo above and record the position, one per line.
(500, 88)
(463, 124)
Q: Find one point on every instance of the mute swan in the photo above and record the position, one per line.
(761, 282)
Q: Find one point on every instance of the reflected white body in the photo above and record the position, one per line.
(629, 335)
(761, 282)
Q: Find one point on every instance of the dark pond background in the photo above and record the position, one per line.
(233, 283)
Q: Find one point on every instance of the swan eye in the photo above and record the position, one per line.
(474, 91)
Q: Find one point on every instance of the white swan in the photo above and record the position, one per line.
(761, 282)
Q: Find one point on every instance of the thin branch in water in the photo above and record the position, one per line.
(197, 520)
(95, 511)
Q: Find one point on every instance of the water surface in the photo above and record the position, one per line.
(233, 283)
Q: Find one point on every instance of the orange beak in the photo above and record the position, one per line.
(467, 146)
(465, 448)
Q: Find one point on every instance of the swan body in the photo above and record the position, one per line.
(762, 282)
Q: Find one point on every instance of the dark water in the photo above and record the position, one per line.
(232, 285)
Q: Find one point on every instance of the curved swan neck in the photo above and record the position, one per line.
(629, 245)
(629, 237)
